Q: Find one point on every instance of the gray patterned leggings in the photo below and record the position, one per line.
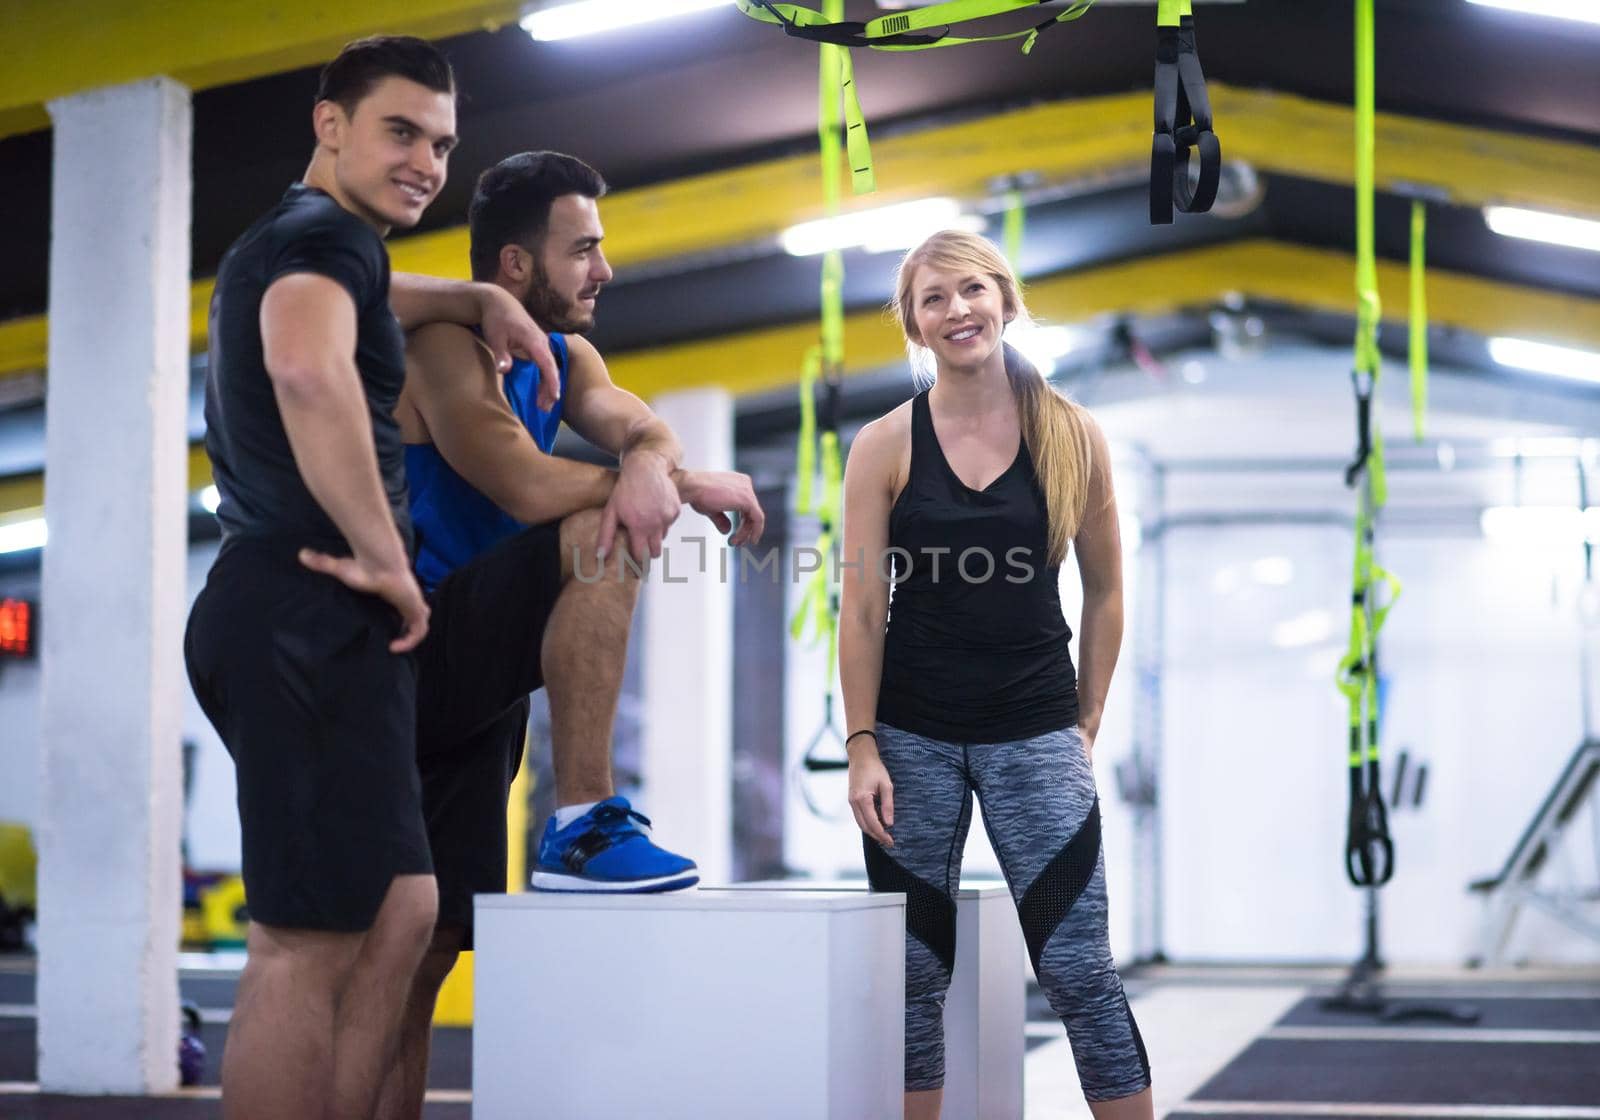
(1043, 818)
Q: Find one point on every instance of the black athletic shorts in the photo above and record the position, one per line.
(475, 670)
(294, 671)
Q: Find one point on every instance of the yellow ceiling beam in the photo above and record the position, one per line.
(1062, 140)
(66, 48)
(1102, 136)
(757, 361)
(1291, 135)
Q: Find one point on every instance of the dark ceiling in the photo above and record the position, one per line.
(718, 89)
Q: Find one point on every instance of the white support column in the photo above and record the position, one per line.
(113, 590)
(687, 733)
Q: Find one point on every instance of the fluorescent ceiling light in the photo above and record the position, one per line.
(878, 230)
(588, 17)
(1541, 526)
(210, 498)
(1538, 225)
(1542, 357)
(1584, 10)
(21, 536)
(1043, 345)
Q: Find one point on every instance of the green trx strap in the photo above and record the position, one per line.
(819, 605)
(1369, 850)
(1419, 317)
(917, 29)
(1015, 221)
(1183, 120)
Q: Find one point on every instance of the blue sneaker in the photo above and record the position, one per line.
(609, 849)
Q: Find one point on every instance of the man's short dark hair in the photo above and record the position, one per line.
(366, 62)
(511, 205)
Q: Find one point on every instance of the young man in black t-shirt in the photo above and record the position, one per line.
(299, 647)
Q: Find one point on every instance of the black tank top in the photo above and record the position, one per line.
(976, 646)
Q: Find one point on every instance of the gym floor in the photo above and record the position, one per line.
(1225, 1042)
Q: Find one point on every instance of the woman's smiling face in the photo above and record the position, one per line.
(959, 315)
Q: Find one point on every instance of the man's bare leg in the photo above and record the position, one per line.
(304, 1019)
(406, 1087)
(584, 654)
(366, 1028)
(279, 1056)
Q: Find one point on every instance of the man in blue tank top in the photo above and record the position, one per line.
(504, 531)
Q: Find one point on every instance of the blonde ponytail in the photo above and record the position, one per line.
(1057, 436)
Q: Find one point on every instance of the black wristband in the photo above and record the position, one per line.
(864, 731)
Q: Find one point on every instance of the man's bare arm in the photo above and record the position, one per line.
(452, 385)
(507, 327)
(308, 338)
(612, 418)
(609, 416)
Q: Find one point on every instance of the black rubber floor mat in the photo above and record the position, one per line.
(450, 1066)
(1453, 1073)
(1493, 1014)
(209, 991)
(1303, 1115)
(18, 1044)
(29, 1106)
(16, 987)
(19, 987)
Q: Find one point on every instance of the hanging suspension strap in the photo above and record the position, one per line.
(819, 604)
(818, 611)
(1369, 850)
(917, 29)
(819, 447)
(1183, 120)
(1419, 318)
(1015, 222)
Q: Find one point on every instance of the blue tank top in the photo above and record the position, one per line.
(455, 522)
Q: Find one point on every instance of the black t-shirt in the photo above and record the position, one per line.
(261, 488)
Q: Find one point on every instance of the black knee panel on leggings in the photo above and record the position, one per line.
(930, 913)
(1047, 900)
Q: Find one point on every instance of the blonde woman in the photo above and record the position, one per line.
(965, 501)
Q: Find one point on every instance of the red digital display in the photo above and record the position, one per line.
(16, 627)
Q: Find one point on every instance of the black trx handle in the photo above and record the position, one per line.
(1363, 387)
(825, 732)
(1183, 121)
(1368, 849)
(828, 414)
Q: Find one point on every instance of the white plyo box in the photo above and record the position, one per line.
(697, 1005)
(986, 1006)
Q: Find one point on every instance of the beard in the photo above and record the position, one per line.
(553, 311)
